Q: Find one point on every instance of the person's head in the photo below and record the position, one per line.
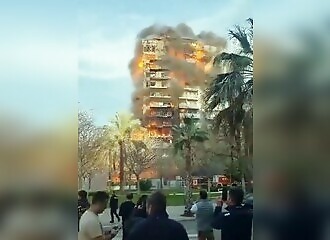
(156, 203)
(100, 201)
(82, 194)
(114, 193)
(235, 196)
(203, 195)
(129, 196)
(142, 200)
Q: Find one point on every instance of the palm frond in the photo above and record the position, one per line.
(235, 62)
(241, 36)
(224, 89)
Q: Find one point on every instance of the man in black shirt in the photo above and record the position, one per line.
(125, 211)
(114, 207)
(236, 222)
(157, 226)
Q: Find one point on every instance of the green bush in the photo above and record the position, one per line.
(145, 185)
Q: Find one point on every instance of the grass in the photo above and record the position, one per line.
(174, 198)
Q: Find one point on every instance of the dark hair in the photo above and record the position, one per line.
(158, 201)
(142, 200)
(129, 196)
(203, 194)
(237, 195)
(100, 197)
(82, 194)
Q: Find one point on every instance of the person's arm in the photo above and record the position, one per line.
(219, 222)
(194, 208)
(217, 211)
(121, 210)
(218, 208)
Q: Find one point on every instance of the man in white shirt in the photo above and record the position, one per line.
(90, 225)
(204, 210)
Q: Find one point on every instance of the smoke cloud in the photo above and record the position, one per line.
(182, 72)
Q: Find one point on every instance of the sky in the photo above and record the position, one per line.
(107, 39)
(58, 56)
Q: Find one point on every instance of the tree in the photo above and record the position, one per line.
(120, 129)
(88, 147)
(109, 151)
(184, 138)
(230, 94)
(140, 157)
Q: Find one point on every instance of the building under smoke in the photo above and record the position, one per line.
(169, 72)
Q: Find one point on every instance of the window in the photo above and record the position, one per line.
(152, 83)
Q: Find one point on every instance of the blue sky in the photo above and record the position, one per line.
(55, 54)
(108, 29)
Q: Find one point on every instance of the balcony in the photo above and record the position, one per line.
(189, 97)
(167, 124)
(189, 105)
(159, 95)
(190, 115)
(161, 114)
(191, 89)
(162, 86)
(160, 104)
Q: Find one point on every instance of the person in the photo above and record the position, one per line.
(139, 213)
(204, 210)
(236, 221)
(224, 194)
(90, 225)
(125, 211)
(157, 225)
(114, 207)
(83, 204)
(141, 207)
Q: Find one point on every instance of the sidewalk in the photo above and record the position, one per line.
(174, 213)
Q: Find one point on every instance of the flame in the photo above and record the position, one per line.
(140, 64)
(199, 54)
(139, 134)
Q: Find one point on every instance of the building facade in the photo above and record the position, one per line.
(162, 106)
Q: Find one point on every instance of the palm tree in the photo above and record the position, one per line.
(184, 137)
(230, 93)
(120, 129)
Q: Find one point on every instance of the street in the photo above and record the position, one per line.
(190, 226)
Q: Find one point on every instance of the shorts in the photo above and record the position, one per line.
(205, 235)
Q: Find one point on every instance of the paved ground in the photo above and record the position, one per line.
(174, 213)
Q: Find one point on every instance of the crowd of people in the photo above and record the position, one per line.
(148, 218)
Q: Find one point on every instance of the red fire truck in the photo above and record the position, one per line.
(217, 181)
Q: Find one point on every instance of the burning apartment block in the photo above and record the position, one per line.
(170, 92)
(170, 69)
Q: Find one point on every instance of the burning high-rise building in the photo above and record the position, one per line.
(169, 72)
